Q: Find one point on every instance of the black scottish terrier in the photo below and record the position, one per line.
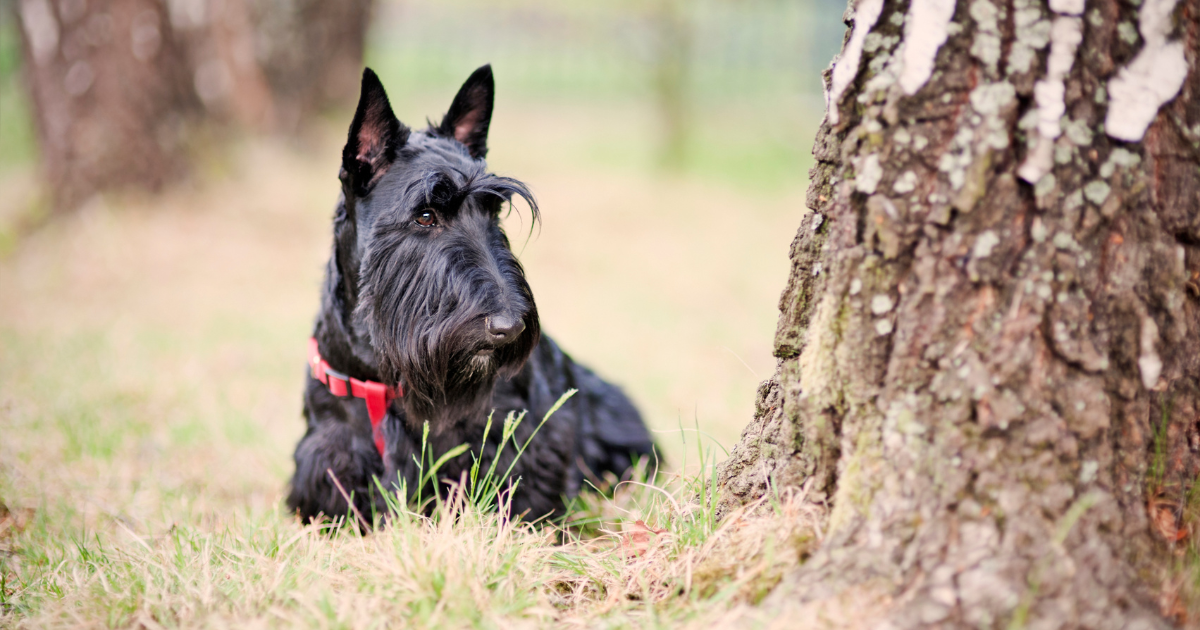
(426, 319)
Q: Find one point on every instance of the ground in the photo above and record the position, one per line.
(151, 357)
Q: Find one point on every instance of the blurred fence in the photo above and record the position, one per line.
(748, 69)
(734, 49)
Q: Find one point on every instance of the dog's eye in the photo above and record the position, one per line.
(425, 218)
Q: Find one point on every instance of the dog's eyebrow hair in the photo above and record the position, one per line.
(473, 184)
(425, 187)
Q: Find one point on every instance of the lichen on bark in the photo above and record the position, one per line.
(993, 383)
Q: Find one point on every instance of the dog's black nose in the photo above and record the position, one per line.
(504, 328)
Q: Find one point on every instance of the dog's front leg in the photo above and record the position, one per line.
(334, 450)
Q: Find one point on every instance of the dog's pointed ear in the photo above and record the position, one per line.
(471, 112)
(376, 135)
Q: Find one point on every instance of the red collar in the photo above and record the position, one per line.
(375, 393)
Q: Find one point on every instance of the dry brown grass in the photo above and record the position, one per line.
(666, 560)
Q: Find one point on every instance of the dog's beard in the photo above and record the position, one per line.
(459, 385)
(438, 354)
(481, 364)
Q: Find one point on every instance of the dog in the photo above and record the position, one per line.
(427, 327)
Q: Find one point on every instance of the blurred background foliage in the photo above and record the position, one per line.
(17, 138)
(729, 81)
(731, 86)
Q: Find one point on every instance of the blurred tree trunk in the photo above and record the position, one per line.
(311, 52)
(109, 88)
(989, 345)
(117, 86)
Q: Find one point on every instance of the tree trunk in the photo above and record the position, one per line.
(114, 85)
(109, 89)
(989, 345)
(311, 52)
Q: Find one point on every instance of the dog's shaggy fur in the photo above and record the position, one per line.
(423, 290)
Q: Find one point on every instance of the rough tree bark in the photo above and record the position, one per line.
(989, 345)
(117, 85)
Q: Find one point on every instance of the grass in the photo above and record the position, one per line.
(156, 554)
(460, 567)
(151, 355)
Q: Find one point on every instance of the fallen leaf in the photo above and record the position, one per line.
(1162, 514)
(14, 521)
(638, 538)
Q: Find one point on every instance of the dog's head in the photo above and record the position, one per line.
(428, 269)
